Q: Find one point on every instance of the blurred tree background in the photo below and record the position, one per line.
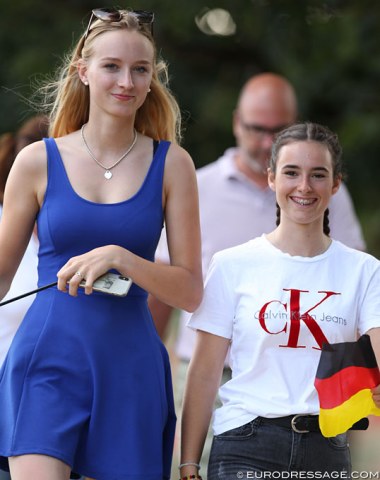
(329, 50)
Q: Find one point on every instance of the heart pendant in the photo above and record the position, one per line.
(107, 175)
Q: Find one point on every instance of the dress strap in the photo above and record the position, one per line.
(56, 172)
(155, 175)
(159, 157)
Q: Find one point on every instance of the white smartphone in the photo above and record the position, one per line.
(111, 283)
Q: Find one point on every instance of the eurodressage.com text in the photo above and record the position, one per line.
(309, 475)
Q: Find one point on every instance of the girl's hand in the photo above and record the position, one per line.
(87, 267)
(376, 395)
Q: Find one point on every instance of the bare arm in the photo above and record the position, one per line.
(178, 284)
(24, 192)
(203, 380)
(374, 334)
(161, 313)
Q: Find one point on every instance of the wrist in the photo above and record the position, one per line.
(189, 471)
(120, 259)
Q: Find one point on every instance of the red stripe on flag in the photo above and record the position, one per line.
(338, 388)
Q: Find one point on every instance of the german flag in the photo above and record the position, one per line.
(346, 373)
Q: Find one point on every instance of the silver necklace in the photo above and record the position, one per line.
(107, 174)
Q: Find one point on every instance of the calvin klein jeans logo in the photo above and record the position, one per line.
(295, 315)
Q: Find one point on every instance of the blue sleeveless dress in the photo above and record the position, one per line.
(87, 379)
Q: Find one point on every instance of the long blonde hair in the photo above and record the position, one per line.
(67, 98)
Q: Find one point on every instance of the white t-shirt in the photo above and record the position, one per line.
(25, 280)
(278, 310)
(234, 210)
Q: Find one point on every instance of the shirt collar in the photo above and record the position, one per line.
(230, 170)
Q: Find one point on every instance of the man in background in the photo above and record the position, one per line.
(237, 205)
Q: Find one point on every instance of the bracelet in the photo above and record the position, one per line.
(191, 477)
(189, 464)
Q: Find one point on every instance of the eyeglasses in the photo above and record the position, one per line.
(261, 130)
(114, 15)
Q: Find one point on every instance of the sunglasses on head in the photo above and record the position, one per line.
(114, 15)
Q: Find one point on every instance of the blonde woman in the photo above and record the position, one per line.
(86, 384)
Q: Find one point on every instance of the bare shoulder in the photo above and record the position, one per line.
(180, 181)
(179, 162)
(32, 158)
(29, 172)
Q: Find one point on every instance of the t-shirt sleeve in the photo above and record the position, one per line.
(369, 315)
(216, 312)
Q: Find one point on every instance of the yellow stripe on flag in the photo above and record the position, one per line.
(334, 421)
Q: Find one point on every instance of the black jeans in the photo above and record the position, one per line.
(254, 448)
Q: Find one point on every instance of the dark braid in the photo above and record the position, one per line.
(278, 214)
(326, 226)
(309, 132)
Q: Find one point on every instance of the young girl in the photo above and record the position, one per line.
(86, 384)
(274, 301)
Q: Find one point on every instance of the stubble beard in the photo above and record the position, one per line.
(260, 165)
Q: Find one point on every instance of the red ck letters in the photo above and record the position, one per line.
(296, 317)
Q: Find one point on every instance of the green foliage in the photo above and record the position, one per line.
(329, 50)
